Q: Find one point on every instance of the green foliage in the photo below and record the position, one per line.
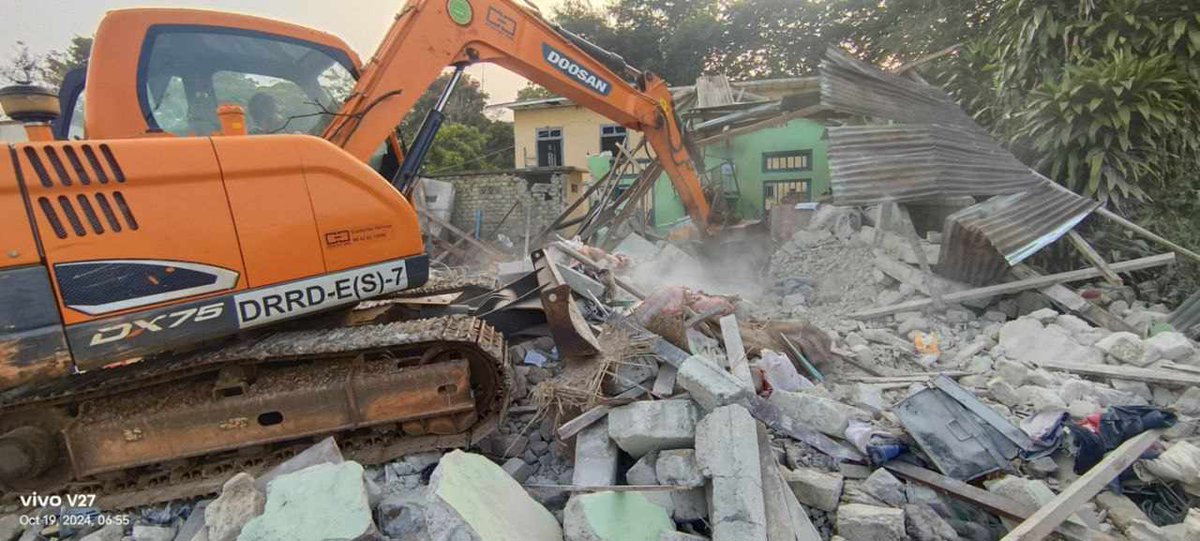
(533, 91)
(58, 63)
(469, 140)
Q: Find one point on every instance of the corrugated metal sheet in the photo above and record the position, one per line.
(1187, 316)
(873, 164)
(980, 242)
(854, 87)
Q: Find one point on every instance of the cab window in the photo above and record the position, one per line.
(284, 85)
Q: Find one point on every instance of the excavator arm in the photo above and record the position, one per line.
(429, 35)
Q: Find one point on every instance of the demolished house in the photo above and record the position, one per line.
(891, 370)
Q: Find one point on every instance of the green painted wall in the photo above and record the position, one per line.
(746, 154)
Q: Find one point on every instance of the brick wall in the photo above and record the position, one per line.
(542, 193)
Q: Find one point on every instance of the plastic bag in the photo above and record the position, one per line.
(928, 347)
(780, 373)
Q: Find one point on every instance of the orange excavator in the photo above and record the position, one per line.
(177, 264)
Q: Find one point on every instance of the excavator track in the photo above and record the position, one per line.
(177, 427)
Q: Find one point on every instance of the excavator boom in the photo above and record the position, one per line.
(430, 35)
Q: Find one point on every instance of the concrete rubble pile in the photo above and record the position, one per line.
(782, 415)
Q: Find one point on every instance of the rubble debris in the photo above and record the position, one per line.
(727, 452)
(709, 385)
(824, 414)
(471, 497)
(595, 456)
(239, 502)
(922, 523)
(816, 488)
(641, 427)
(614, 516)
(325, 501)
(868, 522)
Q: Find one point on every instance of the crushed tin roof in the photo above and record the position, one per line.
(854, 87)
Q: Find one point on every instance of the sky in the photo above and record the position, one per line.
(46, 25)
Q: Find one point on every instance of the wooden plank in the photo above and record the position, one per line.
(991, 502)
(1168, 378)
(587, 262)
(1018, 286)
(786, 520)
(1044, 520)
(736, 352)
(1182, 367)
(910, 232)
(1092, 255)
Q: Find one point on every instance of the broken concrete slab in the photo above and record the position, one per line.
(596, 457)
(402, 516)
(823, 414)
(325, 451)
(924, 524)
(787, 520)
(614, 516)
(884, 486)
(1027, 340)
(710, 385)
(815, 488)
(325, 501)
(678, 467)
(859, 522)
(472, 498)
(643, 472)
(1125, 347)
(148, 532)
(518, 469)
(239, 502)
(727, 452)
(641, 427)
(1172, 345)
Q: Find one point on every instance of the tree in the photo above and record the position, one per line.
(59, 63)
(465, 106)
(468, 140)
(533, 91)
(24, 68)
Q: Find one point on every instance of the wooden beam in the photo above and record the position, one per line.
(587, 262)
(1168, 378)
(463, 235)
(910, 232)
(1092, 255)
(907, 378)
(1043, 522)
(989, 501)
(735, 351)
(1147, 233)
(1018, 286)
(1072, 302)
(585, 419)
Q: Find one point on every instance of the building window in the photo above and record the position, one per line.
(789, 160)
(612, 137)
(549, 147)
(785, 192)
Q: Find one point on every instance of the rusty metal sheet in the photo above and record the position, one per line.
(572, 334)
(901, 163)
(981, 242)
(185, 420)
(854, 87)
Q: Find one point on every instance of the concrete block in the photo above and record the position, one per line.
(1041, 398)
(1125, 347)
(326, 501)
(641, 427)
(402, 516)
(710, 385)
(816, 488)
(884, 486)
(518, 469)
(1188, 403)
(823, 414)
(146, 532)
(614, 516)
(678, 467)
(472, 498)
(680, 536)
(239, 502)
(923, 524)
(116, 532)
(1172, 345)
(727, 452)
(643, 472)
(1011, 372)
(1026, 340)
(595, 456)
(858, 522)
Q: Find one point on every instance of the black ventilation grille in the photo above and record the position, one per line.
(75, 217)
(73, 168)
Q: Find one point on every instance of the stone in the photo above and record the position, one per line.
(614, 516)
(1138, 388)
(1030, 493)
(1041, 398)
(823, 414)
(325, 451)
(501, 445)
(924, 524)
(678, 467)
(710, 385)
(680, 536)
(995, 315)
(10, 527)
(239, 502)
(1042, 466)
(645, 426)
(402, 516)
(595, 456)
(1003, 393)
(727, 452)
(1188, 403)
(1013, 373)
(927, 497)
(325, 501)
(884, 486)
(914, 324)
(1125, 347)
(858, 522)
(1172, 345)
(517, 469)
(1044, 315)
(1026, 340)
(112, 532)
(146, 532)
(471, 498)
(815, 488)
(643, 471)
